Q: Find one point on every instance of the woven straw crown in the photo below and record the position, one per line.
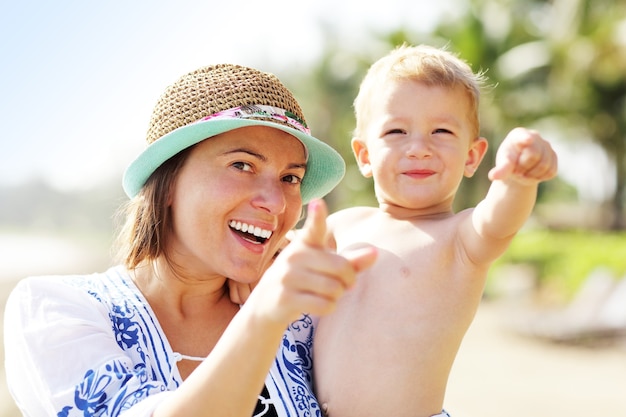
(213, 89)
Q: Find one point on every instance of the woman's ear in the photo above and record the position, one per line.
(362, 157)
(475, 155)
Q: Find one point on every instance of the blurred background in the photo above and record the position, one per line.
(78, 81)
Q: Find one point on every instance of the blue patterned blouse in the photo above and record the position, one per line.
(91, 346)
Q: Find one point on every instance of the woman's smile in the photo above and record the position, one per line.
(251, 233)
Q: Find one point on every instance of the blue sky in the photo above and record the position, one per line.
(79, 78)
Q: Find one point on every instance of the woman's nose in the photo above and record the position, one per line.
(270, 196)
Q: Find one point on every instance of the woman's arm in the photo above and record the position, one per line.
(306, 277)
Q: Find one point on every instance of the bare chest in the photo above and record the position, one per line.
(407, 254)
(418, 275)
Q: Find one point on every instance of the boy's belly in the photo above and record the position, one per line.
(386, 350)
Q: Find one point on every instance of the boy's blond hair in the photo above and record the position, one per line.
(425, 64)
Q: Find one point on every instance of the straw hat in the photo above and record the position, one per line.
(220, 98)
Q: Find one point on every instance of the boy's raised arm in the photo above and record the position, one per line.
(523, 160)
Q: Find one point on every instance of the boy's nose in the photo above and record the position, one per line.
(419, 147)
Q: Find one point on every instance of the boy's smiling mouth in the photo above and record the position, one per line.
(420, 173)
(253, 234)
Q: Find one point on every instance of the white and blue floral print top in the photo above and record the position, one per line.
(90, 345)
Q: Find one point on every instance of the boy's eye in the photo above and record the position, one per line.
(292, 179)
(442, 131)
(395, 132)
(243, 166)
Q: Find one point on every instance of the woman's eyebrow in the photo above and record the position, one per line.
(248, 151)
(261, 157)
(298, 166)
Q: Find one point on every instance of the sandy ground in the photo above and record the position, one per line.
(501, 373)
(497, 372)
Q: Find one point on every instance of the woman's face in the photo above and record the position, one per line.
(235, 198)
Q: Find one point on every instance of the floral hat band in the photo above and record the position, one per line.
(259, 111)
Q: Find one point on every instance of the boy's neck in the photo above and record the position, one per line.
(422, 213)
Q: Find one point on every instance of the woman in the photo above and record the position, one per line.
(161, 335)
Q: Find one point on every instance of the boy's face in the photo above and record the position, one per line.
(418, 144)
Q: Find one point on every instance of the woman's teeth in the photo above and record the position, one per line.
(261, 235)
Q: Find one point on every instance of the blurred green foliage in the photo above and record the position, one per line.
(563, 260)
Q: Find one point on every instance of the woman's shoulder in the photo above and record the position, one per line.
(52, 299)
(99, 286)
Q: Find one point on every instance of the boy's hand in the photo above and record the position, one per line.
(525, 157)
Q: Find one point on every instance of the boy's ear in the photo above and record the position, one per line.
(362, 156)
(475, 155)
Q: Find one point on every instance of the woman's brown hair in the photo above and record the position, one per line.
(143, 235)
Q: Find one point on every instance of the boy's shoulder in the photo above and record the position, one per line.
(353, 214)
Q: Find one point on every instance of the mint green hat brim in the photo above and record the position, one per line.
(325, 167)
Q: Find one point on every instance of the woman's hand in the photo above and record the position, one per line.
(309, 276)
(239, 291)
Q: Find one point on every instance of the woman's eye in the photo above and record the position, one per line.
(292, 179)
(243, 166)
